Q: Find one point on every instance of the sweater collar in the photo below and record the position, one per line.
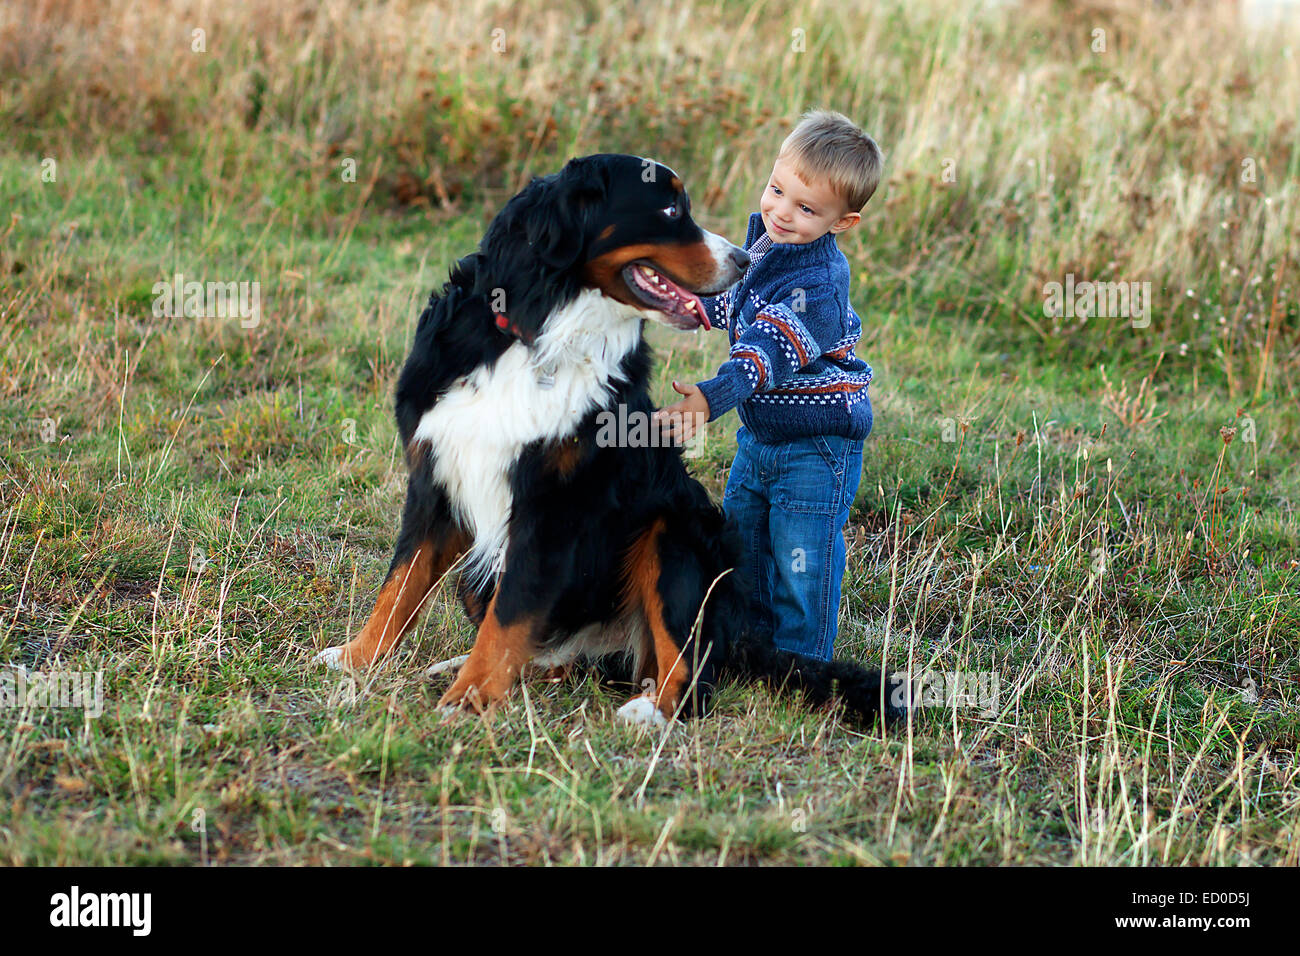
(789, 253)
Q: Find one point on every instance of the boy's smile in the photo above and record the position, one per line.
(797, 212)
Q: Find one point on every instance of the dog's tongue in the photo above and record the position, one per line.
(670, 297)
(700, 313)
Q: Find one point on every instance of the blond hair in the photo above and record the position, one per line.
(829, 146)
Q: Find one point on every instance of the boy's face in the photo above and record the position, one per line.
(796, 211)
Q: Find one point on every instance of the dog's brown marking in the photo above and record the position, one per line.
(401, 599)
(564, 457)
(676, 184)
(470, 598)
(691, 266)
(606, 232)
(662, 659)
(498, 658)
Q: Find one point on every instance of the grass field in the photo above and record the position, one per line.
(1101, 514)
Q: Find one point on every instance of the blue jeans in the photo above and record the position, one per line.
(790, 501)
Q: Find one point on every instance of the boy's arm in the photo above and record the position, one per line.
(717, 306)
(787, 335)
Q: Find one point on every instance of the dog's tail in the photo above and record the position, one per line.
(865, 693)
(732, 640)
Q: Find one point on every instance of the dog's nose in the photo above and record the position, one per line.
(741, 258)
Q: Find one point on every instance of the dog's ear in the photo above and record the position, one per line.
(529, 250)
(556, 225)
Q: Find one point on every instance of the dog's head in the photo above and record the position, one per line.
(619, 224)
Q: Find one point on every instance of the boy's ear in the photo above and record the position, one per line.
(846, 222)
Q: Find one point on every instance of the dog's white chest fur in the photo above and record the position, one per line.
(478, 429)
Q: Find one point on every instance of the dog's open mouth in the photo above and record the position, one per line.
(682, 308)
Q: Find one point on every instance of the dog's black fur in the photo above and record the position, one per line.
(579, 510)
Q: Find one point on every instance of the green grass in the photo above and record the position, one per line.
(218, 503)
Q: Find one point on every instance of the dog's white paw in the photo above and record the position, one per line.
(331, 657)
(642, 712)
(443, 666)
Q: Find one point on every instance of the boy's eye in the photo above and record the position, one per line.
(775, 190)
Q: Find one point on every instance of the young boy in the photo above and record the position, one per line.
(792, 375)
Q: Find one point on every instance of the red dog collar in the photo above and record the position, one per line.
(505, 325)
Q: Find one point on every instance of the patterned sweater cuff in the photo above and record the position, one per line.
(726, 390)
(714, 307)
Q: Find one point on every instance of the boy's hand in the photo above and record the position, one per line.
(680, 421)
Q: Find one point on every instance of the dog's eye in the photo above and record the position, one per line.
(672, 212)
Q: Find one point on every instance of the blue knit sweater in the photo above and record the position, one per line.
(791, 372)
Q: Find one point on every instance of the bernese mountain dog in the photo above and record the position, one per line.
(571, 546)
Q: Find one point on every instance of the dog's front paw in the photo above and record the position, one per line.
(642, 712)
(332, 657)
(465, 698)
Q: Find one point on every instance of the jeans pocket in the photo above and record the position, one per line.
(833, 456)
(811, 478)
